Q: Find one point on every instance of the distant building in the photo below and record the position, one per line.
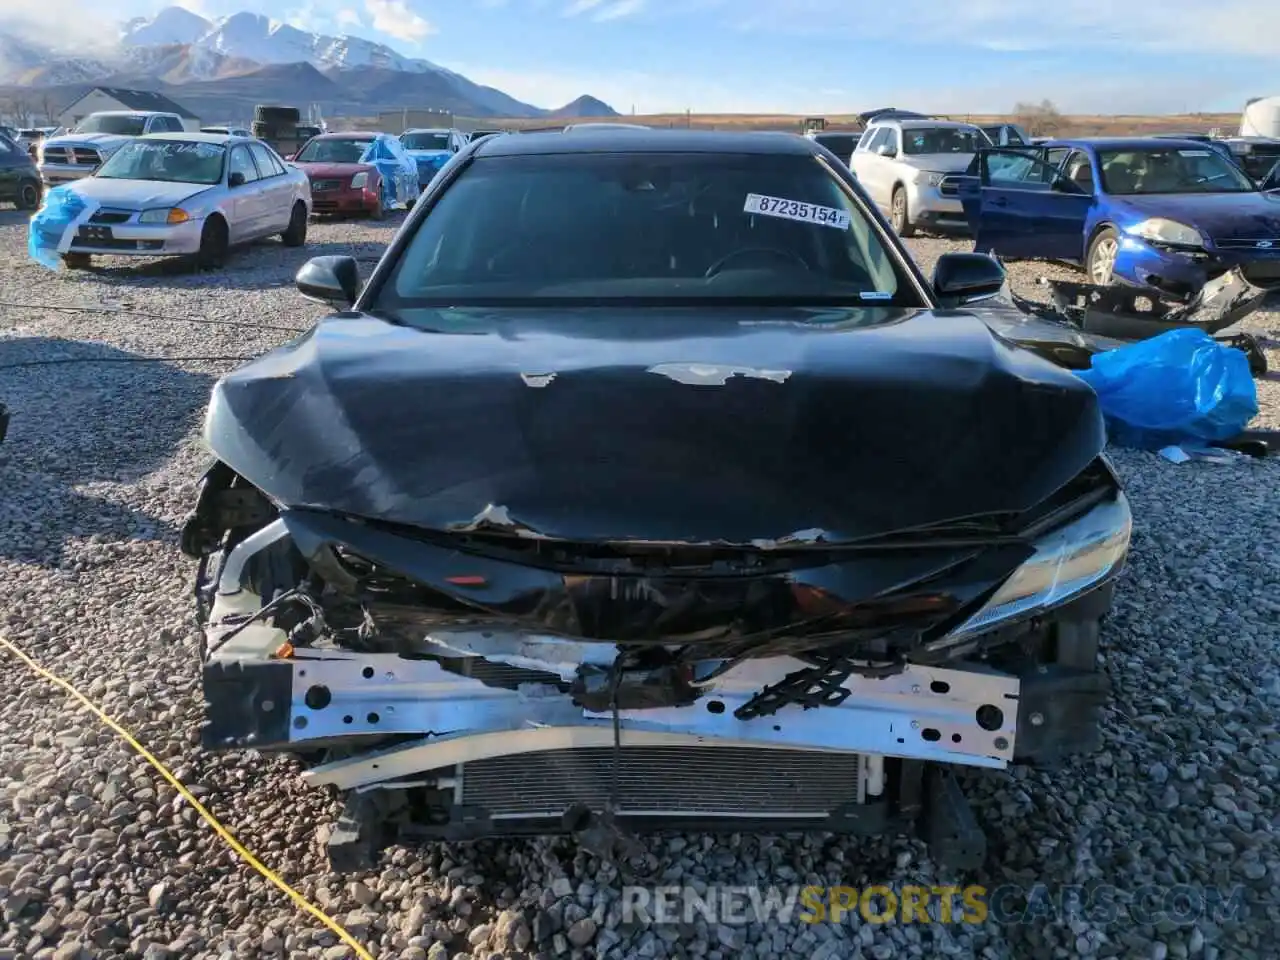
(100, 99)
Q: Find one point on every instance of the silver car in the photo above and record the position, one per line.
(188, 194)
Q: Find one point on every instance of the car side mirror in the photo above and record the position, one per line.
(886, 150)
(235, 179)
(961, 278)
(332, 280)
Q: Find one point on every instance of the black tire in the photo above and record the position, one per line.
(77, 261)
(900, 215)
(377, 213)
(29, 194)
(215, 242)
(1104, 245)
(296, 234)
(269, 114)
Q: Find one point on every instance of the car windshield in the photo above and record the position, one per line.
(645, 229)
(1131, 172)
(169, 161)
(920, 140)
(334, 150)
(425, 141)
(123, 125)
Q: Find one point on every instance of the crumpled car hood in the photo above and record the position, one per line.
(727, 426)
(1221, 216)
(136, 194)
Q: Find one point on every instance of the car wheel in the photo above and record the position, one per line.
(899, 216)
(1102, 257)
(377, 212)
(215, 241)
(296, 234)
(28, 195)
(77, 261)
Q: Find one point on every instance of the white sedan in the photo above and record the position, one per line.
(181, 194)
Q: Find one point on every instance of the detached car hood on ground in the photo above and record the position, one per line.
(683, 426)
(1221, 216)
(136, 194)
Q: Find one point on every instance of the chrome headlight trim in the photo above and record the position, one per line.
(1068, 562)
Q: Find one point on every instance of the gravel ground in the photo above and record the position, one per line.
(98, 857)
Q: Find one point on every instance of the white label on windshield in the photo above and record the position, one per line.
(875, 295)
(1196, 153)
(795, 210)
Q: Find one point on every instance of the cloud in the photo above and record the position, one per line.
(346, 17)
(581, 6)
(395, 19)
(59, 24)
(1239, 27)
(616, 11)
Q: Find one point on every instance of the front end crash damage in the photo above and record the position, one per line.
(1085, 319)
(513, 683)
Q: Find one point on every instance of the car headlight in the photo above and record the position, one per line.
(359, 181)
(170, 215)
(1067, 562)
(929, 177)
(1160, 230)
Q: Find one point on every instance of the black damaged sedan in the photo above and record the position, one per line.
(648, 484)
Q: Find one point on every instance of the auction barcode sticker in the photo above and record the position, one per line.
(795, 210)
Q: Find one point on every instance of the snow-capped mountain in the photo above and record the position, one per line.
(226, 66)
(171, 25)
(251, 36)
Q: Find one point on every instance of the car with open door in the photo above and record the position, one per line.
(1164, 214)
(724, 514)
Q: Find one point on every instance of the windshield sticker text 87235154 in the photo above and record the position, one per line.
(795, 210)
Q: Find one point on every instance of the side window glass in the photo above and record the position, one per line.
(7, 146)
(1005, 168)
(242, 163)
(267, 164)
(1056, 155)
(879, 139)
(1080, 171)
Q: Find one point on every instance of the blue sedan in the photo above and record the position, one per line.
(1152, 212)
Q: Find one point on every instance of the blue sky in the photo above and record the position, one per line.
(823, 56)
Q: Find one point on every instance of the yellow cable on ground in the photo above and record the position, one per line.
(302, 902)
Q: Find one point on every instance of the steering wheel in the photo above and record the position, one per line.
(747, 251)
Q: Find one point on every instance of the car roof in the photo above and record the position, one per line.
(920, 123)
(349, 135)
(194, 137)
(612, 140)
(429, 130)
(1124, 143)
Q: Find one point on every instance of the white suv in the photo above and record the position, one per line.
(911, 168)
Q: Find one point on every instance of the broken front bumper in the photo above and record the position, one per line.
(966, 717)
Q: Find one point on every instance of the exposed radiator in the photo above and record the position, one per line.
(666, 781)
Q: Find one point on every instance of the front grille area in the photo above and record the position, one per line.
(326, 184)
(1272, 244)
(666, 781)
(111, 216)
(950, 186)
(72, 156)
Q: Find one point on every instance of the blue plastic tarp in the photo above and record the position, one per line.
(54, 225)
(399, 172)
(1180, 387)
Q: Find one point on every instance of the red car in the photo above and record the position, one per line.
(340, 183)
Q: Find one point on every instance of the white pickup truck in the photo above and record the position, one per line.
(79, 153)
